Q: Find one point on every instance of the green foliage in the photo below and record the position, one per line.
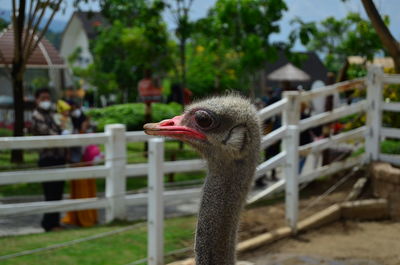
(391, 93)
(5, 132)
(232, 43)
(338, 39)
(136, 39)
(3, 24)
(132, 115)
(390, 147)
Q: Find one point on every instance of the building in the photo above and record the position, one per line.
(311, 65)
(80, 30)
(44, 68)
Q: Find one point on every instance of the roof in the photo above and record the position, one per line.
(45, 54)
(91, 21)
(386, 62)
(312, 65)
(288, 72)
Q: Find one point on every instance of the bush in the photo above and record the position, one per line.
(5, 132)
(132, 115)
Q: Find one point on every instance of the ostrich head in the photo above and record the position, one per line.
(226, 131)
(220, 126)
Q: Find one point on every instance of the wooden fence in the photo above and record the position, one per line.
(116, 169)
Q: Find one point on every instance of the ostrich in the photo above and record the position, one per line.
(226, 131)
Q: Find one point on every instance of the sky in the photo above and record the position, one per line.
(308, 10)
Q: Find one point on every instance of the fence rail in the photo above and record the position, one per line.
(116, 169)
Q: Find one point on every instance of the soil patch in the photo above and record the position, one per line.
(376, 242)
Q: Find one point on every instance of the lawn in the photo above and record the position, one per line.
(121, 248)
(135, 154)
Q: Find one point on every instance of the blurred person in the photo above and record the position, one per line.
(84, 188)
(43, 123)
(80, 121)
(63, 118)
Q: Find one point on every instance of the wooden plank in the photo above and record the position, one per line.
(155, 205)
(328, 90)
(390, 132)
(391, 106)
(372, 209)
(332, 168)
(272, 110)
(324, 217)
(332, 141)
(273, 137)
(28, 176)
(184, 166)
(277, 186)
(35, 142)
(116, 179)
(374, 113)
(263, 239)
(391, 78)
(392, 159)
(137, 136)
(271, 163)
(52, 206)
(140, 169)
(141, 198)
(330, 116)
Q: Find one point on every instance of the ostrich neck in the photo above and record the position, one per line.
(225, 189)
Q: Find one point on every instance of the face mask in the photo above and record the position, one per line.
(76, 113)
(45, 105)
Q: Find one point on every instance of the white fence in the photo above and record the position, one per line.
(115, 170)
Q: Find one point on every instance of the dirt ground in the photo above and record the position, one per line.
(374, 242)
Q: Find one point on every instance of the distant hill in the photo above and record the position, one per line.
(56, 25)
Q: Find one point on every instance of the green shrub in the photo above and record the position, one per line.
(132, 115)
(390, 147)
(5, 132)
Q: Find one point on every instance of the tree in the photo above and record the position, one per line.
(3, 24)
(337, 39)
(242, 29)
(180, 13)
(387, 39)
(26, 19)
(128, 46)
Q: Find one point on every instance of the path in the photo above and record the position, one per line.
(28, 224)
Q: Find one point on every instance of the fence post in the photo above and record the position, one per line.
(155, 212)
(116, 180)
(374, 112)
(291, 116)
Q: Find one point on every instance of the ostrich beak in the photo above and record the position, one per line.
(173, 128)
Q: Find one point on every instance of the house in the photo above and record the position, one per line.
(44, 68)
(80, 30)
(45, 64)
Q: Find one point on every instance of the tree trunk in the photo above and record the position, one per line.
(17, 156)
(387, 39)
(182, 50)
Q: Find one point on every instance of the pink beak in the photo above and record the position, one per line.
(173, 128)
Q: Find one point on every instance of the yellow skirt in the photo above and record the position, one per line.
(82, 188)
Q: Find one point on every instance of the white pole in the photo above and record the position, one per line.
(116, 180)
(374, 111)
(155, 246)
(291, 116)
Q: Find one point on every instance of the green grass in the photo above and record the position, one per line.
(120, 248)
(390, 147)
(135, 154)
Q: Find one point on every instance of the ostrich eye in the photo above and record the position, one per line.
(203, 119)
